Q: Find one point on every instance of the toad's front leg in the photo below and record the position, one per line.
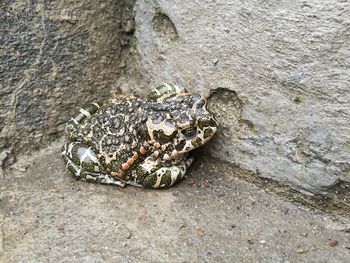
(163, 177)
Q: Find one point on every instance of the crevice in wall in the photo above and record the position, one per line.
(164, 27)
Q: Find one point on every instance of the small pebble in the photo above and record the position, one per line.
(183, 225)
(209, 254)
(301, 250)
(333, 243)
(22, 169)
(143, 217)
(124, 232)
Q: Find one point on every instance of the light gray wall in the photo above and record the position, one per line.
(288, 62)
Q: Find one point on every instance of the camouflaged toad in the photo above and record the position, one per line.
(138, 142)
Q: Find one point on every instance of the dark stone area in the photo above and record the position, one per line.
(55, 57)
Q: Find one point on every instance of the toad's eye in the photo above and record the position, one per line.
(189, 132)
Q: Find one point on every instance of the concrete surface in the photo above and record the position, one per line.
(212, 216)
(288, 64)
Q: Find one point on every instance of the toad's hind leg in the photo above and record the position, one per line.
(75, 122)
(165, 89)
(83, 163)
(166, 177)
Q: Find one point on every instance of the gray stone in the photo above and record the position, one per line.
(287, 63)
(55, 56)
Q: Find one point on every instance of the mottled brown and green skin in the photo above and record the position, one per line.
(138, 142)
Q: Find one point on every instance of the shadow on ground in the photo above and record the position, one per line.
(48, 216)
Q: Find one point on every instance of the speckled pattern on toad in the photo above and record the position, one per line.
(139, 142)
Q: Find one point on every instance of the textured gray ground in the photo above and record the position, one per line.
(48, 216)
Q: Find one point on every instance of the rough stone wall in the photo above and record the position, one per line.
(278, 72)
(55, 56)
(284, 69)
